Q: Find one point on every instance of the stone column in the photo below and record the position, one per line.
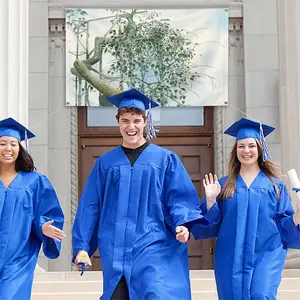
(262, 68)
(289, 91)
(14, 18)
(289, 84)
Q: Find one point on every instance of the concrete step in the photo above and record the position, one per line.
(72, 286)
(97, 275)
(200, 295)
(197, 284)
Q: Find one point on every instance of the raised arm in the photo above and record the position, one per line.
(210, 209)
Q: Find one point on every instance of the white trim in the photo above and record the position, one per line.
(146, 3)
(56, 10)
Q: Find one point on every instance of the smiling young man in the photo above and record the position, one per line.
(136, 207)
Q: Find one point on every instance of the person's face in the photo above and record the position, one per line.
(9, 149)
(247, 151)
(131, 128)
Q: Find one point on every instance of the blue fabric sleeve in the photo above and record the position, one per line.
(85, 228)
(290, 233)
(48, 209)
(180, 196)
(201, 230)
(213, 215)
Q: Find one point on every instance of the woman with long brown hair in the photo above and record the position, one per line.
(257, 222)
(30, 214)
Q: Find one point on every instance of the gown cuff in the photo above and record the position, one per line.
(213, 215)
(51, 248)
(289, 226)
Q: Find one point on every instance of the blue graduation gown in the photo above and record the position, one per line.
(253, 234)
(131, 213)
(25, 206)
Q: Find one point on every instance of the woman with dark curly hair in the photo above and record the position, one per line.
(30, 214)
(257, 222)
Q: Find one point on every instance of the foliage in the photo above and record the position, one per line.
(76, 19)
(150, 55)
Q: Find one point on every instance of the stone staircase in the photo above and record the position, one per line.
(71, 286)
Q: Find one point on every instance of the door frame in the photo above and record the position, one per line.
(112, 135)
(174, 131)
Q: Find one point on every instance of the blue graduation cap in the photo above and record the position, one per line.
(10, 127)
(134, 98)
(245, 128)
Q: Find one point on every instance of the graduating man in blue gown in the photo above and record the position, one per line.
(136, 198)
(257, 222)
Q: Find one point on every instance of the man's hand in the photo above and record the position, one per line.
(83, 257)
(53, 232)
(182, 234)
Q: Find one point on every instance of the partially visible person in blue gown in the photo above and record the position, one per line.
(30, 214)
(257, 223)
(136, 208)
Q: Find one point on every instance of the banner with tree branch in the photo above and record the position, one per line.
(176, 57)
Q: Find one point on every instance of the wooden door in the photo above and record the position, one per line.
(193, 145)
(196, 159)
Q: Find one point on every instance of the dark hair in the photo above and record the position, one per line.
(24, 161)
(132, 110)
(268, 167)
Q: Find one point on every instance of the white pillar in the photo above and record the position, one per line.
(289, 91)
(14, 18)
(3, 58)
(289, 84)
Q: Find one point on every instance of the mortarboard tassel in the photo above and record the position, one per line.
(26, 141)
(265, 153)
(150, 128)
(83, 267)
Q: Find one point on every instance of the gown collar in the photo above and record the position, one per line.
(256, 183)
